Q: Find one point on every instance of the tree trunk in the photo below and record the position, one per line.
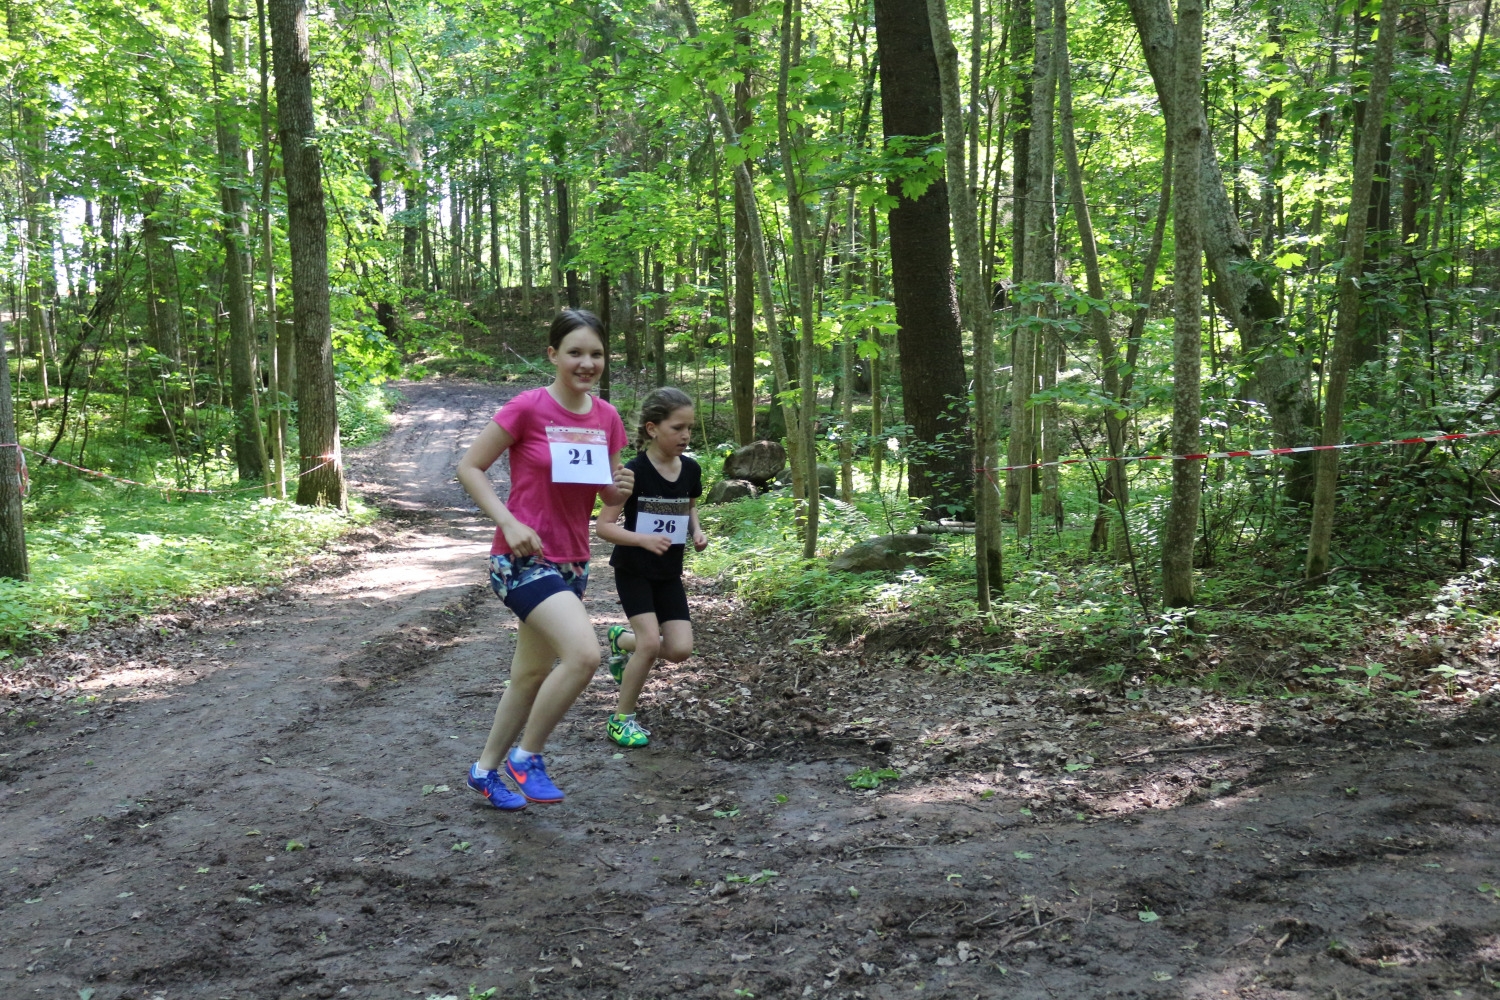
(275, 363)
(1039, 213)
(14, 564)
(605, 320)
(415, 209)
(249, 442)
(802, 284)
(629, 288)
(524, 183)
(928, 338)
(975, 303)
(1325, 492)
(1188, 128)
(1240, 287)
(762, 261)
(742, 353)
(1021, 44)
(1455, 131)
(562, 198)
(1114, 489)
(659, 320)
(322, 471)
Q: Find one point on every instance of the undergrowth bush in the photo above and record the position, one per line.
(1063, 607)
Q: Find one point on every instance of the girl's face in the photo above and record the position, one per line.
(579, 359)
(673, 435)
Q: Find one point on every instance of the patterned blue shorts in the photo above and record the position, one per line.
(523, 582)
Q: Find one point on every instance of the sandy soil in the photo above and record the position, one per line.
(262, 796)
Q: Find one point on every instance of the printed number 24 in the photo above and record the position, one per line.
(580, 456)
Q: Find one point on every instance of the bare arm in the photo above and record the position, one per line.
(700, 540)
(489, 446)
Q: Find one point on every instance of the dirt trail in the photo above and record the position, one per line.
(260, 813)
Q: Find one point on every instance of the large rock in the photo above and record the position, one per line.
(828, 480)
(892, 553)
(758, 463)
(729, 490)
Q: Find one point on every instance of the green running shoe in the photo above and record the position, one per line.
(624, 730)
(617, 656)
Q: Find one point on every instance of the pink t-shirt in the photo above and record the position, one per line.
(558, 512)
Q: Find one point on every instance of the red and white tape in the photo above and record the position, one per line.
(1256, 452)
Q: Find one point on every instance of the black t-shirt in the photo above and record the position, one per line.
(658, 506)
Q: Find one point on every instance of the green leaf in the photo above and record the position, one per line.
(1148, 916)
(1290, 259)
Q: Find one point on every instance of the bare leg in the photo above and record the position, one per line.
(674, 643)
(645, 643)
(557, 629)
(566, 624)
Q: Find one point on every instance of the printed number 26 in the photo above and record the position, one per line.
(665, 527)
(580, 457)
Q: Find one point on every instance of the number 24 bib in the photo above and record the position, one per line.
(663, 516)
(580, 455)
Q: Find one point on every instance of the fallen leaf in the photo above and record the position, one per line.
(267, 760)
(576, 963)
(295, 845)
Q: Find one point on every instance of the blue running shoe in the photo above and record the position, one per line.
(494, 789)
(531, 778)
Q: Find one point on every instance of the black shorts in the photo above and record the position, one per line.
(641, 596)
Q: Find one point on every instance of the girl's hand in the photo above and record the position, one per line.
(624, 484)
(700, 540)
(522, 540)
(655, 544)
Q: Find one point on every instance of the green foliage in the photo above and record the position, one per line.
(868, 779)
(104, 554)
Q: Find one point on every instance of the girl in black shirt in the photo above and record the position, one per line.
(659, 518)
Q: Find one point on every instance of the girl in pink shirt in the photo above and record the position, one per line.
(564, 449)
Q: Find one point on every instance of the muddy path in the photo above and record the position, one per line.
(264, 798)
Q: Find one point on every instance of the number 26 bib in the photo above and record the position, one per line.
(580, 455)
(663, 516)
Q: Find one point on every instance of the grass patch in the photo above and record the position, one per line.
(105, 554)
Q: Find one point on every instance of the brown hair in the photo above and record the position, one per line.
(573, 319)
(657, 407)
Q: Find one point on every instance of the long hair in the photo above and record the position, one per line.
(657, 407)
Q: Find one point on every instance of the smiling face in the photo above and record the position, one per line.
(672, 436)
(579, 360)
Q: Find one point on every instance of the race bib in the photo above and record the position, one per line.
(663, 516)
(580, 455)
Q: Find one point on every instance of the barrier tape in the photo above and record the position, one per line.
(152, 486)
(1253, 453)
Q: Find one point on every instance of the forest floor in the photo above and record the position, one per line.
(261, 796)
